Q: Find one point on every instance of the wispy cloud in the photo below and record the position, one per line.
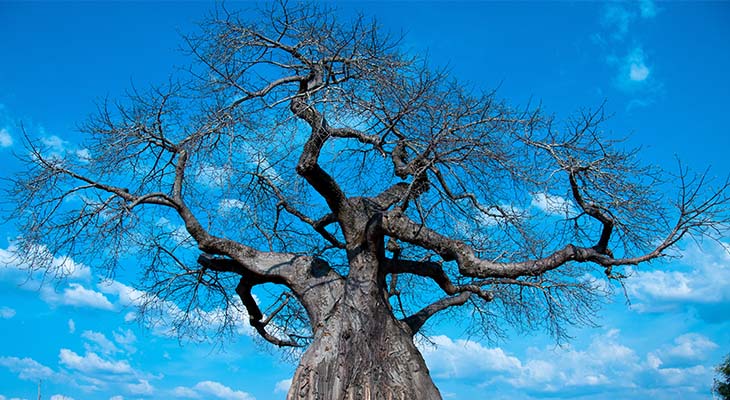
(6, 313)
(5, 139)
(97, 341)
(638, 71)
(647, 9)
(142, 387)
(634, 73)
(553, 205)
(617, 17)
(27, 368)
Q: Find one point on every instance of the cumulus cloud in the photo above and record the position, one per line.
(185, 393)
(211, 389)
(686, 350)
(71, 326)
(27, 368)
(91, 363)
(464, 358)
(605, 361)
(6, 313)
(700, 279)
(283, 386)
(604, 364)
(5, 139)
(78, 296)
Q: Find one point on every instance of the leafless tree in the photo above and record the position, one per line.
(365, 190)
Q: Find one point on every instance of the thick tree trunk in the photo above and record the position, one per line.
(360, 351)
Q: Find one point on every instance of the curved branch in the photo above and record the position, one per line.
(416, 321)
(595, 212)
(397, 225)
(434, 271)
(256, 317)
(308, 166)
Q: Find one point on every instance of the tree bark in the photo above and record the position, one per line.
(360, 350)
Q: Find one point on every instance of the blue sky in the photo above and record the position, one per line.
(661, 67)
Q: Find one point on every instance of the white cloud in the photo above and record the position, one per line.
(91, 362)
(127, 295)
(27, 368)
(142, 387)
(283, 386)
(604, 362)
(464, 358)
(553, 205)
(633, 70)
(702, 277)
(637, 69)
(220, 391)
(117, 397)
(76, 295)
(5, 139)
(61, 397)
(71, 326)
(6, 313)
(130, 316)
(99, 342)
(687, 347)
(61, 266)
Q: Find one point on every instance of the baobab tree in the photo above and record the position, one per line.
(367, 191)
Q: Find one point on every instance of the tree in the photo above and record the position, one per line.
(367, 191)
(722, 384)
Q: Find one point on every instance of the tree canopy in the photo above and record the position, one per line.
(322, 160)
